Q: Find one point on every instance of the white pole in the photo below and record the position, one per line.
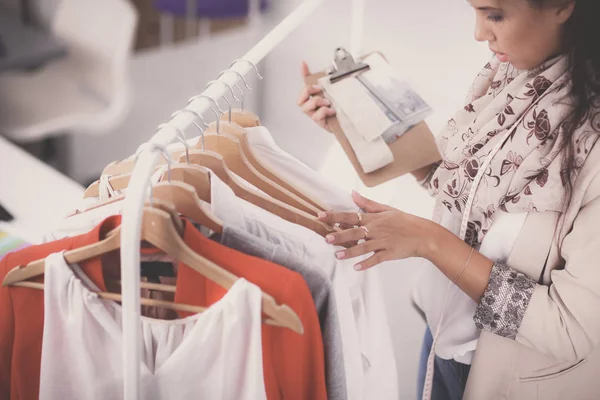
(136, 195)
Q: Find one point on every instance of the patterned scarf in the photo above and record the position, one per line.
(526, 174)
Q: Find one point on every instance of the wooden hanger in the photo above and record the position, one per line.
(187, 173)
(243, 118)
(265, 170)
(246, 165)
(187, 203)
(183, 186)
(247, 119)
(215, 163)
(159, 230)
(230, 148)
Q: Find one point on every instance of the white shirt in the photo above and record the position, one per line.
(216, 354)
(369, 361)
(458, 336)
(293, 170)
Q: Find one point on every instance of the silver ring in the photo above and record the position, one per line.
(359, 215)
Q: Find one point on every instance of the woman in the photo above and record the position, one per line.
(511, 286)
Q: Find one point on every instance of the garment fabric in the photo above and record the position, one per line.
(512, 129)
(294, 171)
(293, 365)
(458, 335)
(322, 293)
(213, 354)
(450, 376)
(369, 364)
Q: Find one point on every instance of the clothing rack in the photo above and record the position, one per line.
(144, 168)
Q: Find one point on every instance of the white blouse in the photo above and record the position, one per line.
(216, 354)
(458, 336)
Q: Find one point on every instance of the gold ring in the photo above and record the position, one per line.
(359, 215)
(364, 228)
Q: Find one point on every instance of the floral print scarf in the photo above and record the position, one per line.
(524, 109)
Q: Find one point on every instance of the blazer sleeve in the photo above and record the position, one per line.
(562, 319)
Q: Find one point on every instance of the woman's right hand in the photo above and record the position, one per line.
(313, 103)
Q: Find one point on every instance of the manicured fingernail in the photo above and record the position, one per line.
(340, 255)
(330, 238)
(316, 87)
(322, 215)
(358, 267)
(327, 102)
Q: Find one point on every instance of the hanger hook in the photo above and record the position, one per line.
(224, 83)
(238, 88)
(239, 76)
(180, 137)
(209, 99)
(203, 96)
(195, 114)
(224, 97)
(251, 63)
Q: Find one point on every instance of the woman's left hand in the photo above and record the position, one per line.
(390, 233)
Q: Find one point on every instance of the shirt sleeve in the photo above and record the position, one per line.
(7, 333)
(559, 319)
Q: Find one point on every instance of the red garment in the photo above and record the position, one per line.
(293, 364)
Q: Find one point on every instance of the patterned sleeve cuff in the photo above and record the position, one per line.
(504, 302)
(426, 182)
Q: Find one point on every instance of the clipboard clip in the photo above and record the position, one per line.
(345, 65)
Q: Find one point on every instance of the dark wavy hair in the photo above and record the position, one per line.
(582, 44)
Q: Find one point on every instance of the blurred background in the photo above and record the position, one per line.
(85, 82)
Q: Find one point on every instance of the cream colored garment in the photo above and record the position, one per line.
(556, 354)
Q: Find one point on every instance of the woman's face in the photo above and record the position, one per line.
(520, 33)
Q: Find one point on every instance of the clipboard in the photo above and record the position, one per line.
(414, 150)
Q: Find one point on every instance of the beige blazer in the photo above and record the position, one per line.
(556, 353)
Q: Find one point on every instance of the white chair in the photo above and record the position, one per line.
(88, 91)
